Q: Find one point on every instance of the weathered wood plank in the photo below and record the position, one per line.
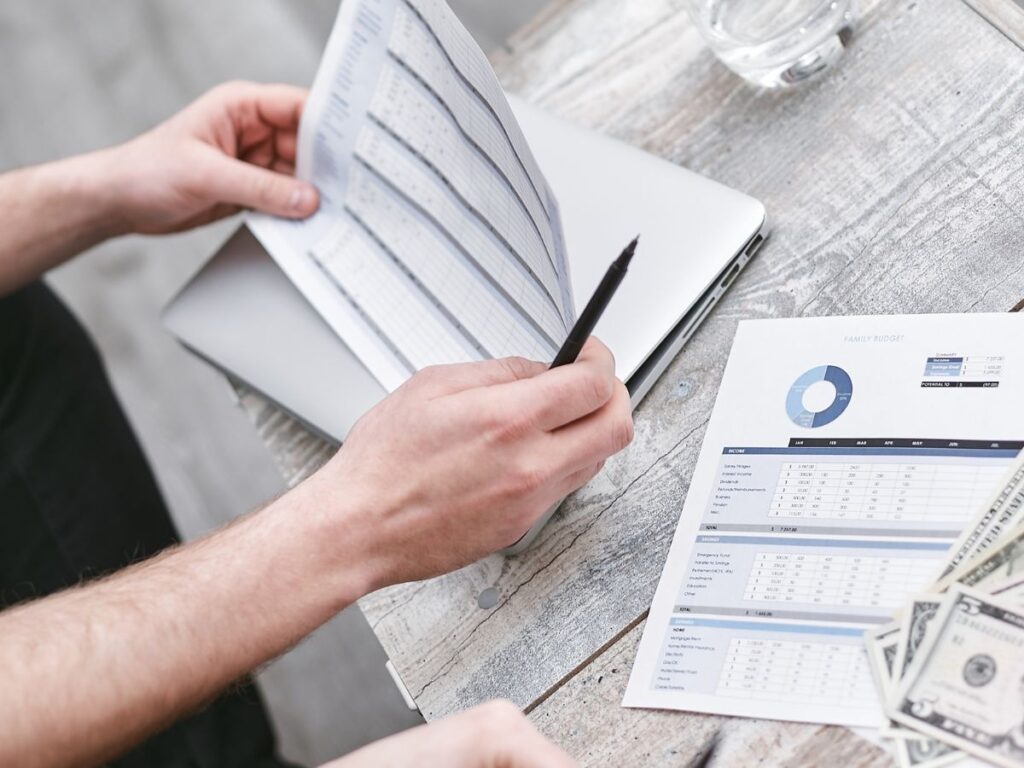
(1006, 15)
(894, 185)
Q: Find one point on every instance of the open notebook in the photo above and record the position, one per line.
(438, 239)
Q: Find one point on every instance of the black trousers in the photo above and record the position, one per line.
(78, 500)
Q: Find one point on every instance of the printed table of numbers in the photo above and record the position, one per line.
(881, 491)
(784, 670)
(837, 580)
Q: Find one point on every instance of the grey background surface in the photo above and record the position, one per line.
(79, 76)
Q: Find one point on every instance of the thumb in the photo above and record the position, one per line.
(249, 186)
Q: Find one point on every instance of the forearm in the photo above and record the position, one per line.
(91, 671)
(51, 212)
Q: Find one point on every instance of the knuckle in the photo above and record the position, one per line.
(510, 428)
(427, 375)
(526, 477)
(517, 367)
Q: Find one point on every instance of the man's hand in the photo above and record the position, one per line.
(462, 459)
(493, 735)
(455, 464)
(232, 148)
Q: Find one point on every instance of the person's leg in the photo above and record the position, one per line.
(77, 500)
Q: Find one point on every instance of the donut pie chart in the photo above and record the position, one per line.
(835, 376)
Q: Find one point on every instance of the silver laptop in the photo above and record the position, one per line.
(243, 315)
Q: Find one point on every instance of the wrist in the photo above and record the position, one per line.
(339, 542)
(88, 187)
(106, 182)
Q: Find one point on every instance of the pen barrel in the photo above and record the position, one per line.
(599, 301)
(588, 318)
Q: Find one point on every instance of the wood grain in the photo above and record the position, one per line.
(894, 184)
(1006, 15)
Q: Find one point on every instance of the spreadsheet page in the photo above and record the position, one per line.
(844, 456)
(438, 240)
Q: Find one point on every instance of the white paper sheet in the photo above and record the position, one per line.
(843, 457)
(438, 239)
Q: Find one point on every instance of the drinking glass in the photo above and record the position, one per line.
(775, 42)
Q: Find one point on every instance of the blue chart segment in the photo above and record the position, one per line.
(835, 376)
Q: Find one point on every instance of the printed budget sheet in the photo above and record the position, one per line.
(843, 458)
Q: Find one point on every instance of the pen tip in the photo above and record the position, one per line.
(627, 254)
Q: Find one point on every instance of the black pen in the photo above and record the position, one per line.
(591, 313)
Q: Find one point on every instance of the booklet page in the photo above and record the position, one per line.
(438, 239)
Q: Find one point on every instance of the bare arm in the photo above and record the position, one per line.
(233, 148)
(457, 463)
(91, 671)
(50, 213)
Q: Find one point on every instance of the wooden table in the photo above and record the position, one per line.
(894, 184)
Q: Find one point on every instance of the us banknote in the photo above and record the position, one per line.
(882, 644)
(911, 748)
(965, 684)
(1004, 511)
(999, 563)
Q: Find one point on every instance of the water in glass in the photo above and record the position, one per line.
(775, 42)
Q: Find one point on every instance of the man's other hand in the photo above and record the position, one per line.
(232, 148)
(462, 459)
(493, 735)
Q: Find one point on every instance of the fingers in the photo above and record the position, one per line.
(285, 145)
(264, 120)
(563, 395)
(594, 438)
(276, 105)
(268, 143)
(239, 183)
(283, 166)
(280, 105)
(261, 154)
(265, 156)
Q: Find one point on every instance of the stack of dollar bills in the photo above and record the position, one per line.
(950, 668)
